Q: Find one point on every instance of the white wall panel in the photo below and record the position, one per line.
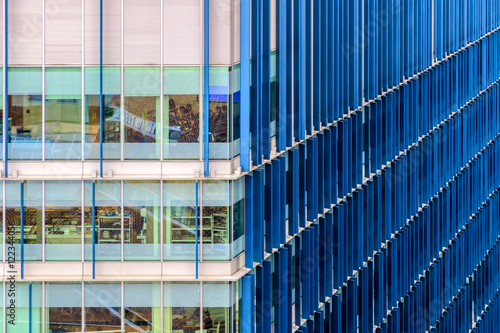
(220, 32)
(111, 32)
(236, 31)
(182, 34)
(142, 32)
(25, 32)
(63, 32)
(1, 32)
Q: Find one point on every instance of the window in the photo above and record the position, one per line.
(142, 303)
(33, 227)
(142, 218)
(238, 245)
(102, 307)
(108, 220)
(63, 220)
(219, 113)
(142, 113)
(63, 306)
(112, 113)
(179, 209)
(181, 119)
(25, 114)
(63, 113)
(21, 298)
(216, 221)
(181, 310)
(216, 306)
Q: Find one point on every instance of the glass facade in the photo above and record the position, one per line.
(53, 126)
(124, 306)
(351, 173)
(58, 219)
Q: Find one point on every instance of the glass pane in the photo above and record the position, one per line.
(21, 299)
(142, 113)
(111, 120)
(216, 306)
(108, 231)
(274, 93)
(181, 303)
(63, 220)
(63, 306)
(25, 113)
(219, 113)
(181, 125)
(111, 117)
(1, 112)
(216, 236)
(179, 201)
(142, 307)
(1, 219)
(235, 128)
(63, 113)
(102, 307)
(142, 217)
(238, 244)
(33, 228)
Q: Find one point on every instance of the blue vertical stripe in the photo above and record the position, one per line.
(206, 88)
(93, 230)
(6, 83)
(101, 102)
(22, 230)
(245, 83)
(196, 229)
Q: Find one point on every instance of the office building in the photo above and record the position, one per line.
(237, 166)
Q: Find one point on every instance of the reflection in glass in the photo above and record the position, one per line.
(142, 206)
(181, 312)
(238, 244)
(1, 113)
(22, 314)
(274, 94)
(111, 117)
(142, 113)
(108, 220)
(179, 201)
(219, 113)
(181, 130)
(1, 219)
(111, 135)
(235, 99)
(216, 233)
(63, 113)
(63, 304)
(142, 302)
(63, 227)
(102, 307)
(25, 113)
(216, 306)
(33, 227)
